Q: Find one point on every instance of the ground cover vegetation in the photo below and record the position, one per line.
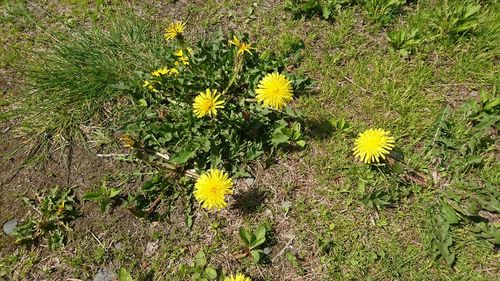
(289, 140)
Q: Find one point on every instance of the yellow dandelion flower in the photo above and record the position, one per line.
(127, 141)
(165, 71)
(237, 277)
(242, 46)
(211, 187)
(274, 90)
(148, 85)
(60, 208)
(181, 57)
(173, 71)
(159, 72)
(373, 144)
(207, 103)
(174, 30)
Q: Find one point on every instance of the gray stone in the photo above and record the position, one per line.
(267, 250)
(105, 275)
(249, 181)
(9, 226)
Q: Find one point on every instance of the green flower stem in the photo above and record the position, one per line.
(237, 69)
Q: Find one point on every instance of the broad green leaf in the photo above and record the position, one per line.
(114, 192)
(450, 259)
(210, 273)
(123, 275)
(183, 157)
(91, 196)
(449, 214)
(255, 256)
(301, 143)
(261, 231)
(201, 259)
(279, 139)
(245, 235)
(326, 12)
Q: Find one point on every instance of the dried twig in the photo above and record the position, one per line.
(154, 204)
(284, 248)
(354, 83)
(96, 239)
(112, 155)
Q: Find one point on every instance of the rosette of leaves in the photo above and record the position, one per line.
(254, 241)
(54, 211)
(242, 131)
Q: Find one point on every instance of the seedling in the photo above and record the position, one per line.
(404, 41)
(254, 241)
(285, 135)
(200, 269)
(105, 195)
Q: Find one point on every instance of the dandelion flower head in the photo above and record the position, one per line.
(211, 188)
(181, 57)
(242, 46)
(373, 145)
(237, 277)
(174, 30)
(165, 71)
(274, 90)
(207, 103)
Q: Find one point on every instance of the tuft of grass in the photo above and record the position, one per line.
(85, 78)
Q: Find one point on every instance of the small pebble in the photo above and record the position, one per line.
(9, 226)
(105, 275)
(249, 182)
(267, 250)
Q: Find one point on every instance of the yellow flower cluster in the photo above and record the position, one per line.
(165, 71)
(182, 58)
(274, 91)
(150, 85)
